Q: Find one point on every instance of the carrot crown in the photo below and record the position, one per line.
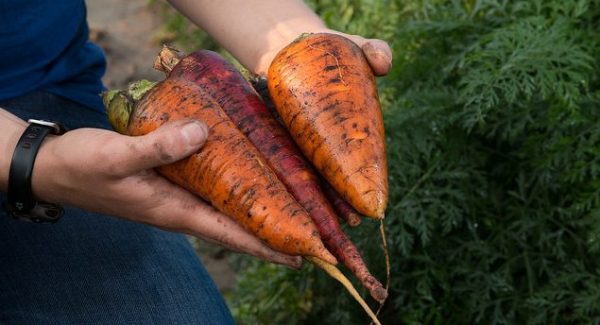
(167, 59)
(136, 90)
(119, 104)
(118, 107)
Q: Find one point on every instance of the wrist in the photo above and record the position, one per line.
(47, 171)
(9, 143)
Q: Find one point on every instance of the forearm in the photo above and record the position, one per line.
(11, 129)
(253, 31)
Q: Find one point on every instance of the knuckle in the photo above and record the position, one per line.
(162, 151)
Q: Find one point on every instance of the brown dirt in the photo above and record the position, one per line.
(126, 31)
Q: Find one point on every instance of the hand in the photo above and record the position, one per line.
(109, 173)
(377, 52)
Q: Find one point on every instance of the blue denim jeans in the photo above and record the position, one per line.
(95, 269)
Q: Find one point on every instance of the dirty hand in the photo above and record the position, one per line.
(113, 174)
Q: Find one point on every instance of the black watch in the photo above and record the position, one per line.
(20, 202)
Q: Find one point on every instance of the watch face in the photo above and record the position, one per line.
(41, 213)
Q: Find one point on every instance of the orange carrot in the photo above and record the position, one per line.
(227, 171)
(343, 208)
(325, 92)
(221, 80)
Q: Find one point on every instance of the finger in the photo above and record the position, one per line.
(167, 144)
(377, 52)
(379, 55)
(216, 227)
(168, 206)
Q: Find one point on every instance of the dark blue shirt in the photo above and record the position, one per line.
(44, 46)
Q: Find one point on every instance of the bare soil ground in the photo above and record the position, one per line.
(126, 31)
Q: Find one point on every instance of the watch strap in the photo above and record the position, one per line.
(20, 200)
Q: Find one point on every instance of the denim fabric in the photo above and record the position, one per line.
(95, 269)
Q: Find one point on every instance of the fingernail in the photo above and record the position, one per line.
(194, 132)
(370, 49)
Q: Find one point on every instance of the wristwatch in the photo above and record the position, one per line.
(20, 202)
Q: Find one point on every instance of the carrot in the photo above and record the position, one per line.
(325, 92)
(227, 171)
(221, 80)
(343, 209)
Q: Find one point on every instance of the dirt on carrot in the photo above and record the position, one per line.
(325, 92)
(344, 210)
(227, 171)
(221, 80)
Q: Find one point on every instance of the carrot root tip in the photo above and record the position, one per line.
(340, 277)
(354, 220)
(379, 294)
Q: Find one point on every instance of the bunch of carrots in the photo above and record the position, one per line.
(286, 175)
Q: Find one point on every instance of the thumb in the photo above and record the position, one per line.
(169, 143)
(379, 55)
(377, 52)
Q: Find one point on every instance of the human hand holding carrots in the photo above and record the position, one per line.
(230, 172)
(255, 40)
(222, 81)
(105, 172)
(377, 52)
